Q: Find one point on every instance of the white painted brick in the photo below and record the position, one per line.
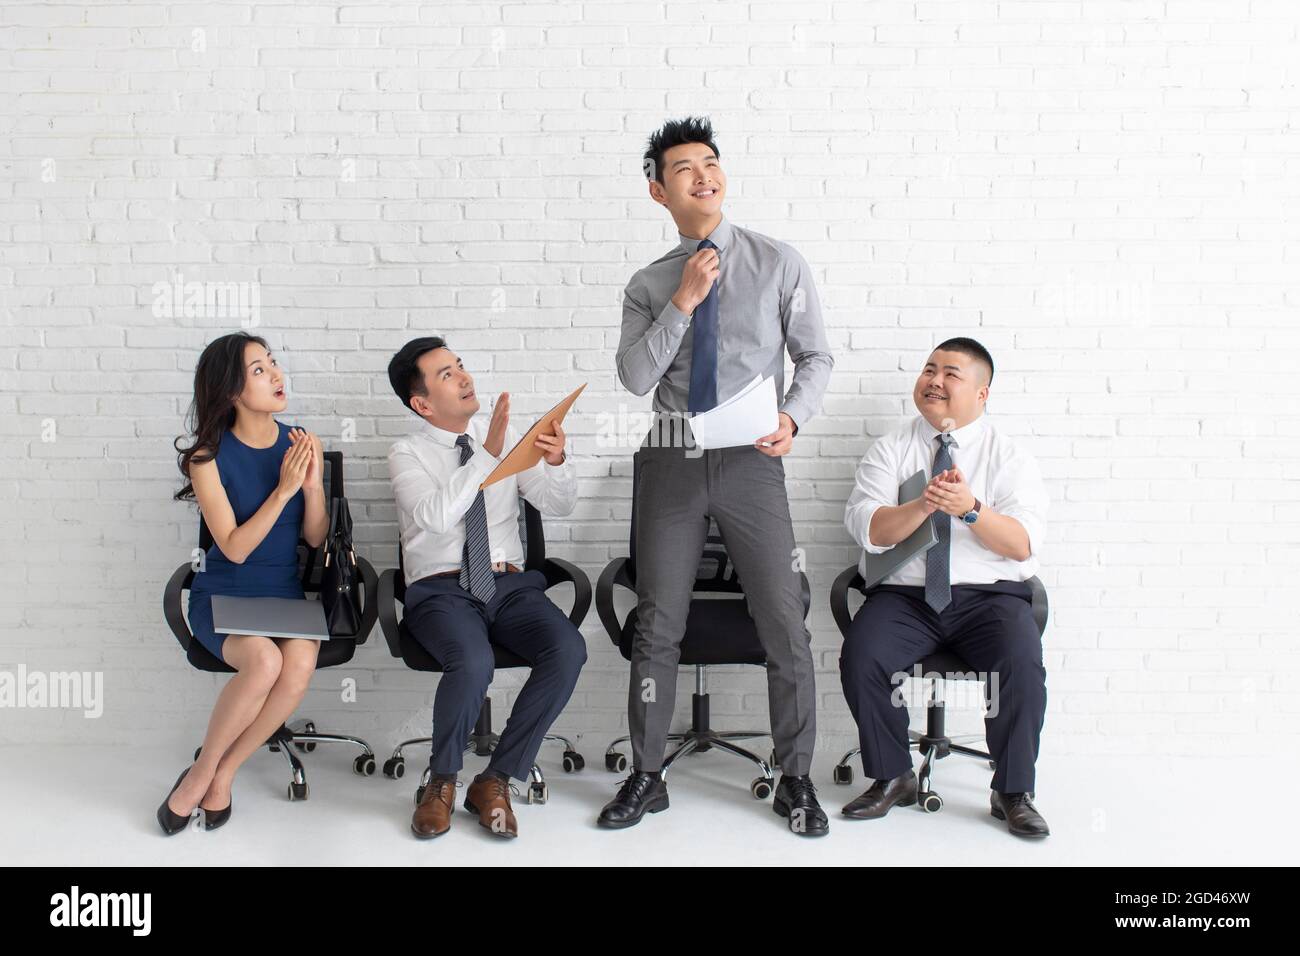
(1102, 192)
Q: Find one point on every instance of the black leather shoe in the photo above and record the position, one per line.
(1022, 819)
(212, 819)
(796, 799)
(881, 796)
(640, 794)
(173, 823)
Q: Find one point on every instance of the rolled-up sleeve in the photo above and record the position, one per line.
(435, 506)
(647, 343)
(1019, 492)
(875, 484)
(805, 338)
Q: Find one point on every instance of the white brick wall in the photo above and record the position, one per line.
(1103, 192)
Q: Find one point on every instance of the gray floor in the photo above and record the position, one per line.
(74, 805)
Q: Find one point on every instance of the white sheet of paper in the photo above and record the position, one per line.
(741, 420)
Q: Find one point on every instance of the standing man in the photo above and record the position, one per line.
(463, 558)
(989, 508)
(699, 324)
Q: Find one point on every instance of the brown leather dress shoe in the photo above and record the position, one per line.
(432, 817)
(1022, 818)
(881, 796)
(489, 797)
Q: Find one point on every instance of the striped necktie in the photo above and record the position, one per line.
(938, 580)
(476, 559)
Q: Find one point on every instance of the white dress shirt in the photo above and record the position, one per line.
(434, 491)
(1002, 475)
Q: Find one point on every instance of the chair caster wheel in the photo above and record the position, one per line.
(310, 745)
(298, 791)
(772, 762)
(394, 768)
(419, 795)
(615, 762)
(842, 774)
(537, 793)
(761, 788)
(573, 761)
(364, 765)
(932, 802)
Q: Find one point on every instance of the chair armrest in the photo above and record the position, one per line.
(370, 611)
(386, 606)
(172, 605)
(615, 573)
(558, 571)
(848, 578)
(1039, 602)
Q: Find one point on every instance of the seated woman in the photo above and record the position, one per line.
(258, 485)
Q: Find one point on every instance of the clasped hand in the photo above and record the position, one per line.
(948, 492)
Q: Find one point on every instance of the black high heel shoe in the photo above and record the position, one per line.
(212, 819)
(173, 823)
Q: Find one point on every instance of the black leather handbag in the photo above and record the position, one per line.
(340, 581)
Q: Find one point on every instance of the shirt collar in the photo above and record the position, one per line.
(966, 436)
(720, 236)
(443, 437)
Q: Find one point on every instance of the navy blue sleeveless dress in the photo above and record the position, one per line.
(249, 476)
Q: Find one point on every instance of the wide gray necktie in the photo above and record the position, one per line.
(476, 559)
(938, 580)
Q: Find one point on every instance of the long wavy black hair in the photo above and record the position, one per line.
(218, 381)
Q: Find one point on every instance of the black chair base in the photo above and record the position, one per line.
(482, 743)
(301, 735)
(702, 738)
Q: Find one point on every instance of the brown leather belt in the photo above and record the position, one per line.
(499, 566)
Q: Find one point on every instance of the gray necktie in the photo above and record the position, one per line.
(938, 582)
(476, 558)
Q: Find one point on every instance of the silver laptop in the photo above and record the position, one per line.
(877, 567)
(269, 617)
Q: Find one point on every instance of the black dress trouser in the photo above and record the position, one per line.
(989, 626)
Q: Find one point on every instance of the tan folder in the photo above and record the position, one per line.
(525, 454)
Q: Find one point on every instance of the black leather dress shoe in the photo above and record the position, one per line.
(641, 793)
(881, 796)
(796, 799)
(1022, 819)
(173, 823)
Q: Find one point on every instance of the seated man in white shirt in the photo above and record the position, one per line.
(466, 588)
(967, 593)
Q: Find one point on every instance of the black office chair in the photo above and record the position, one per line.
(482, 741)
(300, 734)
(719, 630)
(933, 744)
